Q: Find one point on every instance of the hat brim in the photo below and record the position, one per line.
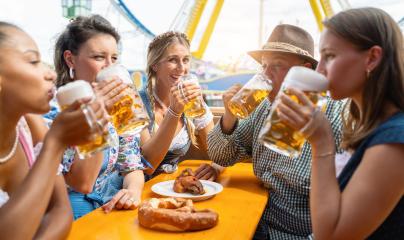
(257, 55)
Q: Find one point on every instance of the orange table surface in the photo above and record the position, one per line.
(240, 206)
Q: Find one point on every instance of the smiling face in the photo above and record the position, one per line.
(344, 66)
(174, 63)
(25, 82)
(96, 53)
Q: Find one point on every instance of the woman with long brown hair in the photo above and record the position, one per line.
(362, 56)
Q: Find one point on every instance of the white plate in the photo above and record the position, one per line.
(166, 189)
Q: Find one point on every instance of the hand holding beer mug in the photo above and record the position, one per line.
(128, 114)
(72, 92)
(193, 108)
(250, 95)
(278, 135)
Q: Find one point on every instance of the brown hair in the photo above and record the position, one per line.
(365, 28)
(155, 52)
(77, 32)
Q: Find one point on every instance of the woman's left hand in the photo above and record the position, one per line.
(124, 199)
(304, 117)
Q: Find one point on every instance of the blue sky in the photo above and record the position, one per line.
(235, 33)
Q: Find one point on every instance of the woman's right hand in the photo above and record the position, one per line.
(178, 98)
(71, 128)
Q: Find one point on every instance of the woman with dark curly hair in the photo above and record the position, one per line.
(114, 177)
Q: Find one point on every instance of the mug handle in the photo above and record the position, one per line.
(91, 119)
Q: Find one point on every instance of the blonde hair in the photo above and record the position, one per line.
(365, 28)
(155, 52)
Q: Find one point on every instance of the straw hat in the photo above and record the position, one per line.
(288, 39)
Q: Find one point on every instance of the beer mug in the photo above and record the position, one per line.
(277, 135)
(129, 116)
(68, 94)
(194, 108)
(247, 99)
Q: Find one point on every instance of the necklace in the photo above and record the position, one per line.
(167, 109)
(13, 149)
(159, 100)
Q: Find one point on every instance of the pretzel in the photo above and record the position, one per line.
(175, 215)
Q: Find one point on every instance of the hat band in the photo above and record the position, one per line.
(286, 46)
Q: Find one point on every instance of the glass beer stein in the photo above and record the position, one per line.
(194, 108)
(277, 135)
(245, 101)
(68, 94)
(129, 116)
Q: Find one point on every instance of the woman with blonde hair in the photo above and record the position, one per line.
(362, 56)
(171, 133)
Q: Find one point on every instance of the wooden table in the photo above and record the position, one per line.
(239, 205)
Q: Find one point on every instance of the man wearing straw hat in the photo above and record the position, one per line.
(287, 214)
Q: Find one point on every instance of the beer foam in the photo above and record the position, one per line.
(190, 78)
(114, 70)
(259, 82)
(73, 91)
(305, 79)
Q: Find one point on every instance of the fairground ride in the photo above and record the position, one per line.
(197, 18)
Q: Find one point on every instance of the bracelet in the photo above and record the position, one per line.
(174, 114)
(326, 154)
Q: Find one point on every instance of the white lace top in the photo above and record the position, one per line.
(182, 138)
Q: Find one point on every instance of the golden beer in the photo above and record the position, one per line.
(99, 143)
(128, 114)
(245, 101)
(67, 95)
(194, 108)
(279, 136)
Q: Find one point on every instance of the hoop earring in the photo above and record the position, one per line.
(71, 73)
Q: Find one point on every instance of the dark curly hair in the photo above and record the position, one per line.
(77, 32)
